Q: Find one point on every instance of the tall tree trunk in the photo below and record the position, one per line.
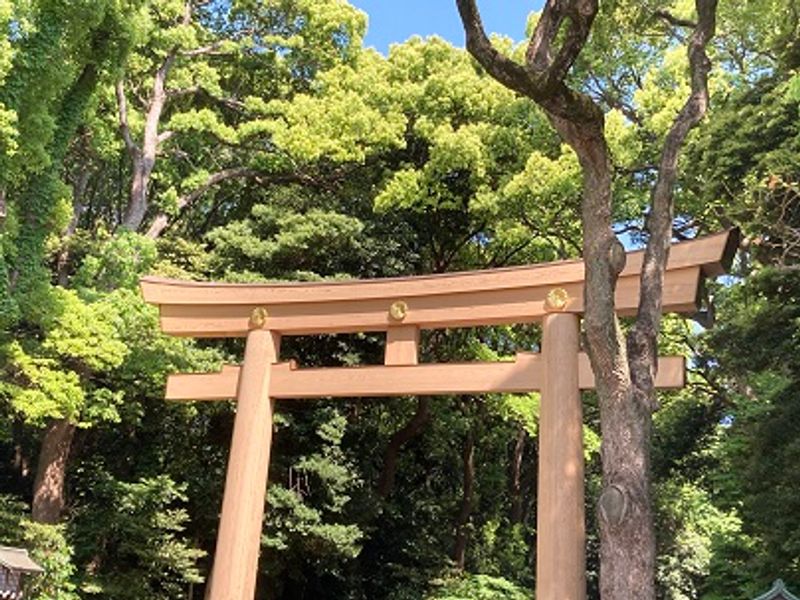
(624, 372)
(515, 479)
(48, 487)
(467, 499)
(397, 441)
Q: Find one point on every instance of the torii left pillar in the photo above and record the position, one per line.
(233, 576)
(560, 523)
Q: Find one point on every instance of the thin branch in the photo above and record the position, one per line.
(210, 50)
(176, 93)
(162, 220)
(675, 21)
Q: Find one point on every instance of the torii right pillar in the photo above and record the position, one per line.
(560, 528)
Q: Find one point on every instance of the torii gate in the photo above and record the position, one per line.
(551, 293)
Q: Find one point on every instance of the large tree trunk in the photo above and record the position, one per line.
(401, 437)
(467, 494)
(627, 536)
(625, 384)
(48, 487)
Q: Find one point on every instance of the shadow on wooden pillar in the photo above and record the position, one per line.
(561, 528)
(235, 567)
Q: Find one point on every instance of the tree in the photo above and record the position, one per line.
(50, 103)
(624, 364)
(187, 80)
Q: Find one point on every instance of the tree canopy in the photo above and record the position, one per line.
(261, 141)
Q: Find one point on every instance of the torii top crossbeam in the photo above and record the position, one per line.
(500, 296)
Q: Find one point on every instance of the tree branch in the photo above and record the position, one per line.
(673, 20)
(124, 128)
(659, 222)
(164, 136)
(396, 442)
(162, 220)
(545, 86)
(502, 68)
(580, 15)
(210, 50)
(177, 93)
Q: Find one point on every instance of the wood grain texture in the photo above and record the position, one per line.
(235, 565)
(560, 520)
(402, 345)
(435, 311)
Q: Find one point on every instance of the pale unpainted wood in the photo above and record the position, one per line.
(561, 528)
(402, 345)
(288, 382)
(709, 253)
(435, 311)
(235, 565)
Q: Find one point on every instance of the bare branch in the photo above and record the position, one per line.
(124, 128)
(164, 136)
(176, 93)
(210, 50)
(573, 109)
(502, 68)
(673, 20)
(538, 56)
(581, 15)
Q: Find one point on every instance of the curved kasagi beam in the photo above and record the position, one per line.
(472, 298)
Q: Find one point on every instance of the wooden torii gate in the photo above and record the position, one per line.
(551, 293)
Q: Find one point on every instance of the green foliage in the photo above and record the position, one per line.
(697, 532)
(759, 446)
(352, 164)
(8, 118)
(135, 533)
(48, 546)
(310, 524)
(478, 587)
(53, 552)
(116, 262)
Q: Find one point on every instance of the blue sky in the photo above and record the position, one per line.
(396, 20)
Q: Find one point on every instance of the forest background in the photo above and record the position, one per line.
(258, 140)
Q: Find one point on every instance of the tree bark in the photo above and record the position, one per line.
(625, 371)
(143, 158)
(397, 441)
(515, 479)
(467, 499)
(48, 487)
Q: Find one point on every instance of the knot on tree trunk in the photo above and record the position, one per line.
(612, 506)
(617, 257)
